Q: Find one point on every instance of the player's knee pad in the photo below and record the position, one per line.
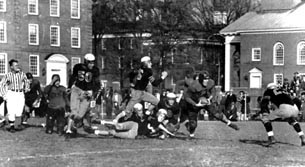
(193, 124)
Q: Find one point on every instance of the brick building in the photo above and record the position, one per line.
(266, 45)
(46, 36)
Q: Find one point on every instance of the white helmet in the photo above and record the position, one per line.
(271, 85)
(171, 95)
(145, 58)
(89, 57)
(138, 106)
(161, 111)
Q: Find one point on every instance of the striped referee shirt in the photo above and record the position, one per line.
(15, 82)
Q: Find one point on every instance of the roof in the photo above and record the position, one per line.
(269, 21)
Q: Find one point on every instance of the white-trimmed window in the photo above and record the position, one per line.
(54, 8)
(3, 32)
(278, 54)
(256, 54)
(103, 46)
(2, 5)
(74, 61)
(34, 65)
(75, 9)
(33, 7)
(278, 78)
(301, 53)
(33, 34)
(75, 37)
(3, 63)
(54, 35)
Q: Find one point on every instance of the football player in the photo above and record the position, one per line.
(83, 83)
(283, 108)
(201, 86)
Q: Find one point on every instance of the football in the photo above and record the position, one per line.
(203, 100)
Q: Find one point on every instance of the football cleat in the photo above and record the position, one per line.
(271, 140)
(11, 129)
(234, 126)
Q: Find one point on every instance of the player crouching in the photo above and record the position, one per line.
(283, 108)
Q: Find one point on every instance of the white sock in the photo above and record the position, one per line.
(301, 133)
(270, 133)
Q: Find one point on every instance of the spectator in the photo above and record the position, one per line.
(108, 100)
(116, 100)
(244, 101)
(57, 98)
(302, 84)
(286, 85)
(295, 83)
(302, 111)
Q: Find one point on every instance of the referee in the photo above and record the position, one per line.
(17, 83)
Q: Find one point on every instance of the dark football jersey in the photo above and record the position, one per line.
(85, 78)
(278, 97)
(142, 124)
(141, 77)
(174, 109)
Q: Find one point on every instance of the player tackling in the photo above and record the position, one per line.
(283, 108)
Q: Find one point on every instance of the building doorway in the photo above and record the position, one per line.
(57, 64)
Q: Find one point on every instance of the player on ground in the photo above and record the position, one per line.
(283, 108)
(138, 125)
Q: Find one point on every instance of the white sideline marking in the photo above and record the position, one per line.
(7, 159)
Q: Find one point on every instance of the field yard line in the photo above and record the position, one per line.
(7, 159)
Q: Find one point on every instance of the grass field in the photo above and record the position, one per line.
(215, 145)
